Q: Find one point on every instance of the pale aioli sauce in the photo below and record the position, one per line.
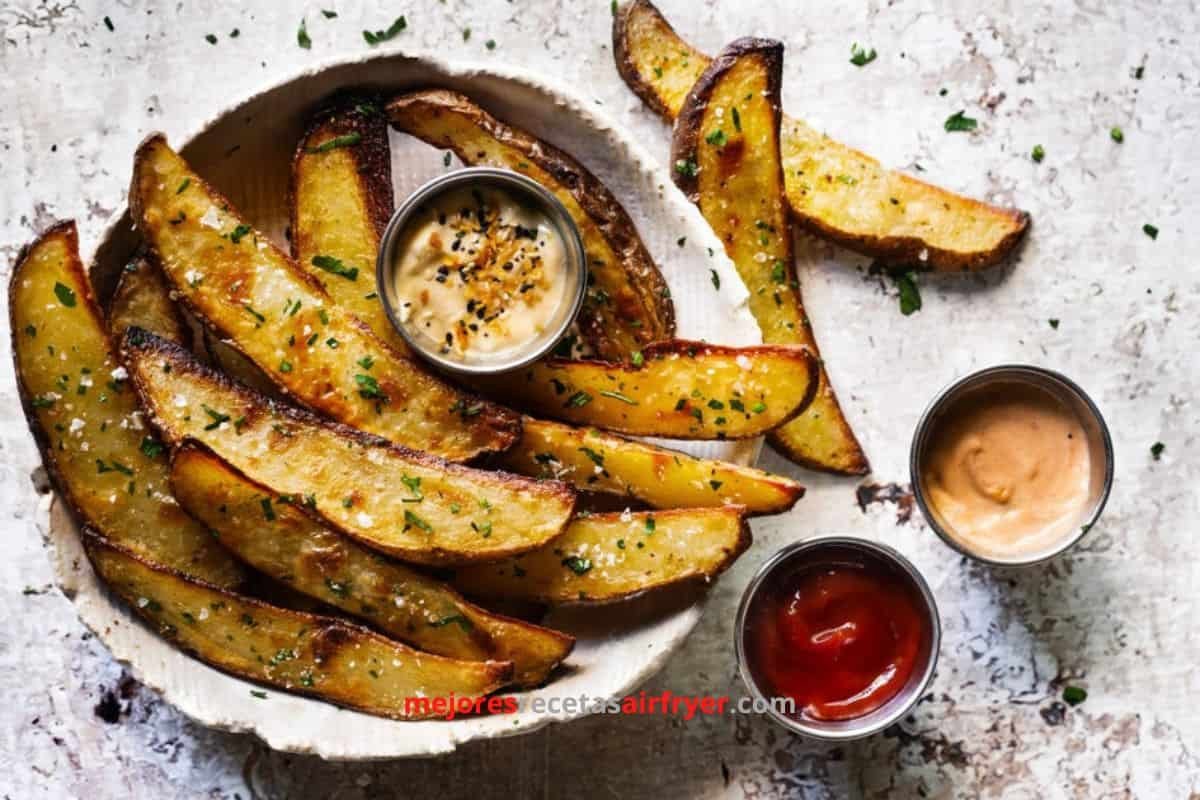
(478, 274)
(1008, 469)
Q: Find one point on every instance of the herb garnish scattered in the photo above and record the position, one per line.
(237, 234)
(1074, 695)
(579, 399)
(414, 486)
(368, 387)
(268, 512)
(151, 447)
(958, 121)
(580, 565)
(412, 520)
(328, 14)
(1117, 134)
(211, 38)
(302, 36)
(1157, 449)
(716, 138)
(65, 294)
(108, 23)
(859, 56)
(216, 416)
(618, 396)
(374, 38)
(457, 619)
(737, 119)
(910, 296)
(1038, 153)
(490, 44)
(688, 167)
(345, 140)
(716, 279)
(1150, 230)
(335, 265)
(1053, 323)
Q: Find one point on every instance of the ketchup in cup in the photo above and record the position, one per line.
(841, 629)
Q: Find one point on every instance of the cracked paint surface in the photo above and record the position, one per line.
(1116, 616)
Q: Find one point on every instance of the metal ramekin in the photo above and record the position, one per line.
(832, 550)
(1099, 447)
(528, 190)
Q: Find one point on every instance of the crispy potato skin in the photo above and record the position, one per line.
(341, 200)
(608, 557)
(298, 652)
(834, 191)
(628, 303)
(356, 480)
(299, 550)
(142, 298)
(738, 186)
(683, 390)
(595, 461)
(280, 317)
(87, 424)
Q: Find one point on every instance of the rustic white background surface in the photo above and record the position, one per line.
(1118, 616)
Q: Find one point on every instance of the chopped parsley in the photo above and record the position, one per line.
(1053, 323)
(717, 138)
(186, 182)
(1038, 153)
(958, 121)
(261, 695)
(108, 23)
(302, 36)
(688, 167)
(637, 358)
(239, 232)
(151, 447)
(328, 14)
(250, 310)
(737, 119)
(211, 38)
(716, 279)
(650, 525)
(345, 140)
(1150, 230)
(374, 38)
(1117, 134)
(1074, 695)
(860, 56)
(618, 396)
(596, 458)
(268, 512)
(285, 366)
(490, 44)
(217, 418)
(1157, 449)
(580, 565)
(335, 266)
(65, 294)
(579, 400)
(368, 387)
(412, 520)
(910, 295)
(414, 486)
(455, 619)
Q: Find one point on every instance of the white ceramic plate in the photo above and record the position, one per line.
(246, 151)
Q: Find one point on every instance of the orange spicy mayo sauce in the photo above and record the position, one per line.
(1007, 469)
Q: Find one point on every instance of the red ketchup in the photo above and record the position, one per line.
(841, 639)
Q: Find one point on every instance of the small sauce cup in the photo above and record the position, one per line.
(1026, 377)
(790, 567)
(528, 194)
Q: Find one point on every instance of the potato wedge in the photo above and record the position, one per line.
(602, 462)
(606, 557)
(298, 652)
(628, 304)
(682, 390)
(739, 188)
(301, 552)
(399, 501)
(142, 298)
(341, 199)
(240, 284)
(105, 462)
(834, 190)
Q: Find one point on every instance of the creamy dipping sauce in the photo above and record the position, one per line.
(1007, 468)
(478, 274)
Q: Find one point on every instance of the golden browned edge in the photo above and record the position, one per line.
(566, 641)
(592, 195)
(504, 423)
(887, 248)
(684, 143)
(690, 349)
(137, 341)
(143, 262)
(500, 672)
(744, 540)
(346, 114)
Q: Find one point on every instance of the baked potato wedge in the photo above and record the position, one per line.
(606, 557)
(241, 285)
(306, 555)
(680, 390)
(834, 190)
(628, 304)
(411, 505)
(142, 298)
(295, 651)
(107, 465)
(341, 199)
(602, 462)
(738, 185)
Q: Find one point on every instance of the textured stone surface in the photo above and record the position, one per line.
(1116, 616)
